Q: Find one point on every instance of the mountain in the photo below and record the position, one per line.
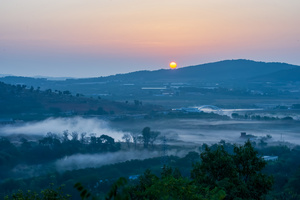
(4, 75)
(227, 70)
(227, 73)
(287, 75)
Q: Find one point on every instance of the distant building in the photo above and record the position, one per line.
(270, 158)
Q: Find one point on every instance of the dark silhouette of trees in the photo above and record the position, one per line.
(49, 193)
(171, 185)
(219, 175)
(153, 137)
(238, 173)
(146, 136)
(127, 138)
(135, 137)
(149, 136)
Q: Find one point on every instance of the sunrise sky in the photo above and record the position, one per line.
(91, 38)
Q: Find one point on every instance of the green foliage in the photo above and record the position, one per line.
(149, 136)
(47, 194)
(8, 153)
(293, 186)
(50, 148)
(239, 174)
(285, 172)
(22, 102)
(171, 185)
(118, 190)
(84, 193)
(146, 136)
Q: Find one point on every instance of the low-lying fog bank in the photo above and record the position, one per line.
(59, 125)
(177, 131)
(198, 131)
(270, 113)
(80, 161)
(185, 134)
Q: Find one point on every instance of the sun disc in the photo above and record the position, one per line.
(173, 65)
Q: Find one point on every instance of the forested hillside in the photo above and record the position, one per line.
(17, 100)
(220, 171)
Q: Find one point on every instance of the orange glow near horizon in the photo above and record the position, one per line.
(149, 31)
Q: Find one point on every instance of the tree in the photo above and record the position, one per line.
(74, 136)
(293, 186)
(239, 174)
(220, 175)
(153, 136)
(149, 136)
(93, 143)
(171, 185)
(25, 145)
(83, 138)
(134, 138)
(106, 142)
(118, 190)
(51, 140)
(127, 138)
(67, 92)
(146, 136)
(137, 102)
(65, 137)
(46, 194)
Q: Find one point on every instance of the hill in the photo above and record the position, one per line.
(239, 77)
(227, 70)
(287, 75)
(18, 101)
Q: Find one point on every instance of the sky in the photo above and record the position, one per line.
(92, 38)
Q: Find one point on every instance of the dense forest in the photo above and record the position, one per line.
(219, 171)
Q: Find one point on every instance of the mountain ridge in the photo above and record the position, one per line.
(226, 71)
(194, 68)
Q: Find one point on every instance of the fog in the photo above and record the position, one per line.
(177, 131)
(228, 112)
(80, 161)
(185, 134)
(259, 111)
(199, 131)
(59, 125)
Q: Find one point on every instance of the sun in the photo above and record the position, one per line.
(173, 65)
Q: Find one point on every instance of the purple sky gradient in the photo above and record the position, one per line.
(75, 38)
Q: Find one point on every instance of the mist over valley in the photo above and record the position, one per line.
(148, 119)
(160, 100)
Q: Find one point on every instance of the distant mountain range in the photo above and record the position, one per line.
(233, 72)
(286, 75)
(226, 70)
